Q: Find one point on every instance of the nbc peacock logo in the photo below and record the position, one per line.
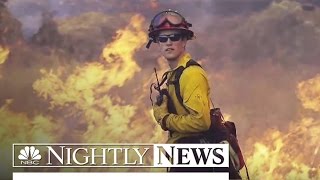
(29, 156)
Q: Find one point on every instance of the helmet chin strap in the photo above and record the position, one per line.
(149, 43)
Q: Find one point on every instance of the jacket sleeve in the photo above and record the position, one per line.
(194, 90)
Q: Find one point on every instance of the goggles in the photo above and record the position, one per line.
(172, 17)
(172, 37)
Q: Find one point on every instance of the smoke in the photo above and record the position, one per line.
(268, 53)
(30, 12)
(71, 74)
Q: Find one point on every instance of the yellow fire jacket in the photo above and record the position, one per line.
(194, 90)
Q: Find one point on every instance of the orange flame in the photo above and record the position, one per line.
(19, 128)
(4, 53)
(291, 155)
(85, 93)
(287, 155)
(39, 128)
(120, 52)
(309, 93)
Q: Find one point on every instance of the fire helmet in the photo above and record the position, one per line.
(168, 20)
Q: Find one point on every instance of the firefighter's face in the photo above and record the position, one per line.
(172, 44)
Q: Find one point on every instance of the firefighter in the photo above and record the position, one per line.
(187, 114)
(183, 106)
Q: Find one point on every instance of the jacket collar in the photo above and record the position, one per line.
(183, 60)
